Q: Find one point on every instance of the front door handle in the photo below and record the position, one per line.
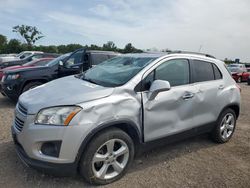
(188, 95)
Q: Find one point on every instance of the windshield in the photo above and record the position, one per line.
(233, 65)
(20, 54)
(38, 62)
(116, 71)
(56, 60)
(24, 55)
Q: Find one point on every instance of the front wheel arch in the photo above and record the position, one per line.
(126, 126)
(31, 81)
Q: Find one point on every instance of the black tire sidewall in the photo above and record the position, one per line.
(98, 140)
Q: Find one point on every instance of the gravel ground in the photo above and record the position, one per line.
(195, 162)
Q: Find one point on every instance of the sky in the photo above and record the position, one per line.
(217, 27)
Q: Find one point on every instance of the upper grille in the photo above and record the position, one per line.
(19, 124)
(22, 109)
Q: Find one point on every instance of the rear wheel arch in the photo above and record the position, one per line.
(235, 107)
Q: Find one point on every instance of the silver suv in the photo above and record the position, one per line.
(96, 121)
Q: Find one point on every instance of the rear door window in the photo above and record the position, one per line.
(217, 73)
(202, 71)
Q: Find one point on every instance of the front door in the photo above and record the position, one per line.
(73, 65)
(171, 111)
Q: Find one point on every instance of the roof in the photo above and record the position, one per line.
(146, 54)
(101, 51)
(161, 54)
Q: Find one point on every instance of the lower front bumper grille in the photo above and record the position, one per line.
(19, 124)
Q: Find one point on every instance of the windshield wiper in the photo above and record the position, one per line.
(90, 80)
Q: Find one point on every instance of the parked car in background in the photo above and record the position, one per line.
(27, 59)
(8, 55)
(95, 122)
(15, 82)
(22, 55)
(239, 72)
(248, 80)
(36, 62)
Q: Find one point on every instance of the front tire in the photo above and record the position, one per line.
(107, 157)
(225, 126)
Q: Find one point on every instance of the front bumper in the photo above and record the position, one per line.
(65, 169)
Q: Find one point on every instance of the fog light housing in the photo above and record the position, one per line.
(51, 148)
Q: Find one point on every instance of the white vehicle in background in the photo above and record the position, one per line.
(19, 56)
(8, 55)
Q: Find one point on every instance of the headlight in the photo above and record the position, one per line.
(12, 76)
(57, 115)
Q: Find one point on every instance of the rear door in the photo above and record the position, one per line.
(171, 111)
(208, 80)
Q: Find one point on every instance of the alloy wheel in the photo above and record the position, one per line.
(110, 159)
(227, 126)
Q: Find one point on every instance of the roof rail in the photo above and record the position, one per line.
(195, 53)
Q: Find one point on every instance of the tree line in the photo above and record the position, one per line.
(31, 34)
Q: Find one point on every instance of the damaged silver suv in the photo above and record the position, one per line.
(95, 122)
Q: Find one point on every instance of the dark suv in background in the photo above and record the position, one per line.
(15, 82)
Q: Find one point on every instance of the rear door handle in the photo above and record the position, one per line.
(188, 95)
(221, 87)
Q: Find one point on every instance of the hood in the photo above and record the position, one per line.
(23, 69)
(65, 91)
(14, 67)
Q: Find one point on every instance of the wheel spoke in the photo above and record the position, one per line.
(222, 128)
(102, 172)
(110, 146)
(99, 158)
(229, 119)
(230, 127)
(121, 151)
(117, 166)
(224, 134)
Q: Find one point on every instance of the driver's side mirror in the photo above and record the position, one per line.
(61, 63)
(158, 86)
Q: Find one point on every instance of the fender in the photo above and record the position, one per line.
(128, 124)
(234, 106)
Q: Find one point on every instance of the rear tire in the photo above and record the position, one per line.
(225, 126)
(31, 85)
(107, 157)
(239, 80)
